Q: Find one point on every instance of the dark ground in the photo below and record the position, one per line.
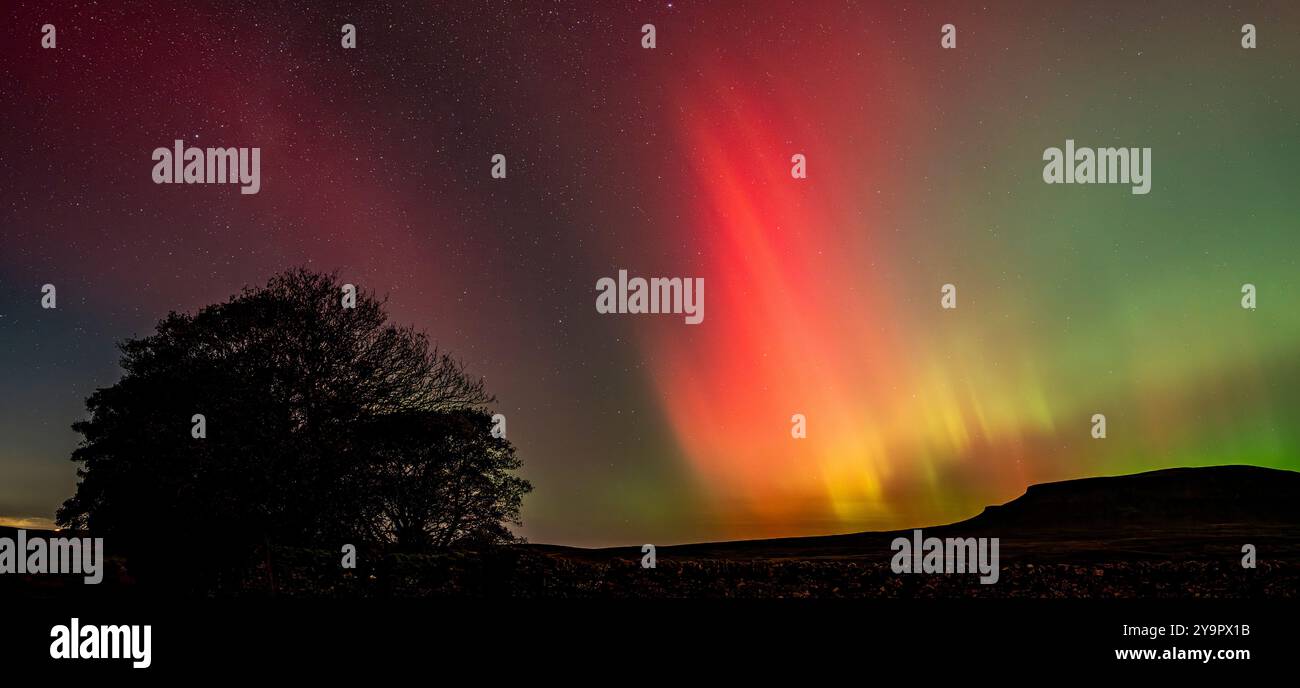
(1167, 534)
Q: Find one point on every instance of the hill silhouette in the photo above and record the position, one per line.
(1213, 496)
(1169, 513)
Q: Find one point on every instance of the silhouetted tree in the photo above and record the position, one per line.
(442, 480)
(293, 387)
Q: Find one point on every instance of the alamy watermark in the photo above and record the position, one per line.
(75, 641)
(657, 295)
(195, 165)
(1100, 166)
(60, 555)
(946, 555)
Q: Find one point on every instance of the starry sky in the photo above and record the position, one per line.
(924, 168)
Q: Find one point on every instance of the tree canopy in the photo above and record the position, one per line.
(323, 424)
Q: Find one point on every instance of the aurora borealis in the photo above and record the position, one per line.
(924, 168)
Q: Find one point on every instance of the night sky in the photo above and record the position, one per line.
(924, 168)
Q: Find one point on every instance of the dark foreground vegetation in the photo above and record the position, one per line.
(524, 571)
